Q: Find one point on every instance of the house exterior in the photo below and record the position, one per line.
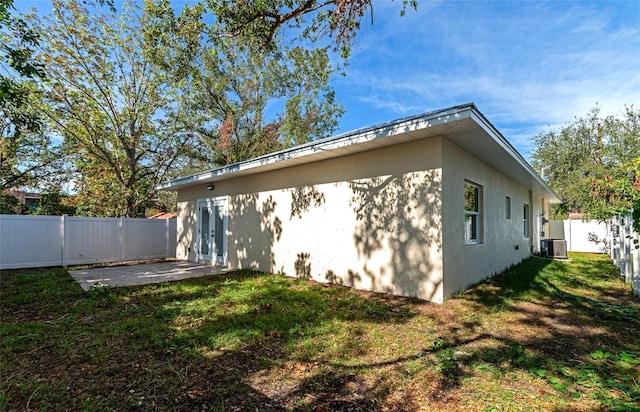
(423, 206)
(30, 200)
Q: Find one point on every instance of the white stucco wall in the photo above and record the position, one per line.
(388, 220)
(370, 220)
(502, 241)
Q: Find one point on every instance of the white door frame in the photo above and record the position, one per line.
(212, 244)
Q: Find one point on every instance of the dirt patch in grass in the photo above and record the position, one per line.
(544, 335)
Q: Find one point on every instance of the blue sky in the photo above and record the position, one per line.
(528, 65)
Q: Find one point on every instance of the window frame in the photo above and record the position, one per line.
(507, 207)
(525, 220)
(475, 216)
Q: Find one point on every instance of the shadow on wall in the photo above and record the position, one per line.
(302, 198)
(600, 242)
(255, 230)
(187, 233)
(397, 233)
(302, 267)
(352, 278)
(402, 213)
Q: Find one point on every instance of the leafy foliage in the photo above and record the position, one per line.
(123, 118)
(238, 88)
(251, 99)
(593, 163)
(54, 203)
(259, 22)
(10, 205)
(26, 153)
(132, 93)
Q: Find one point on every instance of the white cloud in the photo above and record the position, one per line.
(526, 64)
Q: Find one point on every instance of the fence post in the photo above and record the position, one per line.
(611, 238)
(122, 238)
(167, 226)
(64, 239)
(627, 249)
(633, 266)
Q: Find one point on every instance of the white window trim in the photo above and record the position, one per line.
(477, 214)
(526, 230)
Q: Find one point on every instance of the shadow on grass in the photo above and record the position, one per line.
(191, 345)
(580, 285)
(248, 341)
(519, 281)
(274, 321)
(573, 324)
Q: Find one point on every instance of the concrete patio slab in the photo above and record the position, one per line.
(142, 274)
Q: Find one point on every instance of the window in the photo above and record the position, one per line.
(525, 220)
(472, 208)
(507, 207)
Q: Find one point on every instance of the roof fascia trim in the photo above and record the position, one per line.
(404, 125)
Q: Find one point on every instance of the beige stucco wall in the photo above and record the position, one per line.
(370, 220)
(502, 241)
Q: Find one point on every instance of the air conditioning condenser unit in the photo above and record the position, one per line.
(554, 248)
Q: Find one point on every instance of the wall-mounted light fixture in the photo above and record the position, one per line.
(210, 187)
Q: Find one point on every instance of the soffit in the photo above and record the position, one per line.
(375, 137)
(463, 125)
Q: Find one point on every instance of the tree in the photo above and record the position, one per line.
(262, 73)
(26, 152)
(131, 94)
(593, 163)
(237, 87)
(54, 203)
(258, 23)
(123, 117)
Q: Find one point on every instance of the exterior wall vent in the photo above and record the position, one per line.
(554, 248)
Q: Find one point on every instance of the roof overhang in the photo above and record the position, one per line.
(463, 125)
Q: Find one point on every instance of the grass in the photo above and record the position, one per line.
(544, 335)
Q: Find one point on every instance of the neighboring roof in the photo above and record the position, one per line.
(163, 215)
(459, 124)
(24, 196)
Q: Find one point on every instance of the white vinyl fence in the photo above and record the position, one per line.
(624, 252)
(39, 241)
(589, 236)
(614, 237)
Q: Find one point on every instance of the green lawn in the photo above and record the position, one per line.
(545, 335)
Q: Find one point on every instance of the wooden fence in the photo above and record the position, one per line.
(40, 241)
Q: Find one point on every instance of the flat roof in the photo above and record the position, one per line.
(463, 125)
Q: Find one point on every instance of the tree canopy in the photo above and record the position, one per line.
(238, 88)
(138, 95)
(258, 91)
(122, 116)
(25, 149)
(258, 23)
(593, 163)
